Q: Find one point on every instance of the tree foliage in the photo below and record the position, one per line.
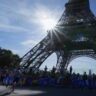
(8, 59)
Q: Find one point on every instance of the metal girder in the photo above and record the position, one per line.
(37, 55)
(62, 57)
(79, 53)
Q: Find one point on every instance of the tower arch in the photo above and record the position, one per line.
(82, 64)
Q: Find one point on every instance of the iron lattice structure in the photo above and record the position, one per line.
(74, 35)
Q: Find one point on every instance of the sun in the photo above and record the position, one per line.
(48, 23)
(46, 20)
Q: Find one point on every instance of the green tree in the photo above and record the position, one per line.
(8, 59)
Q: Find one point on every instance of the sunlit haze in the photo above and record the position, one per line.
(46, 20)
(48, 23)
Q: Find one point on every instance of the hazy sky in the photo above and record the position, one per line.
(23, 22)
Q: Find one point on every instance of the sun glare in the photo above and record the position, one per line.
(46, 20)
(48, 23)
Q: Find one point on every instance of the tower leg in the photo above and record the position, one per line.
(37, 55)
(62, 57)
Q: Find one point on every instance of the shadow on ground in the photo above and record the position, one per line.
(45, 91)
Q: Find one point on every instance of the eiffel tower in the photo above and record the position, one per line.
(73, 36)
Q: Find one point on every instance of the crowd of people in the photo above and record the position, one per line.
(47, 78)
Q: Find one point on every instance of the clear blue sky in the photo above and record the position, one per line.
(22, 22)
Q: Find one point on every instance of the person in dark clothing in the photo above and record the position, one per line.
(71, 69)
(85, 78)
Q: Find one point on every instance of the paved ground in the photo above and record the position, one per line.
(4, 91)
(38, 91)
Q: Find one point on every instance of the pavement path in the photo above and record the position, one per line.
(45, 91)
(5, 90)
